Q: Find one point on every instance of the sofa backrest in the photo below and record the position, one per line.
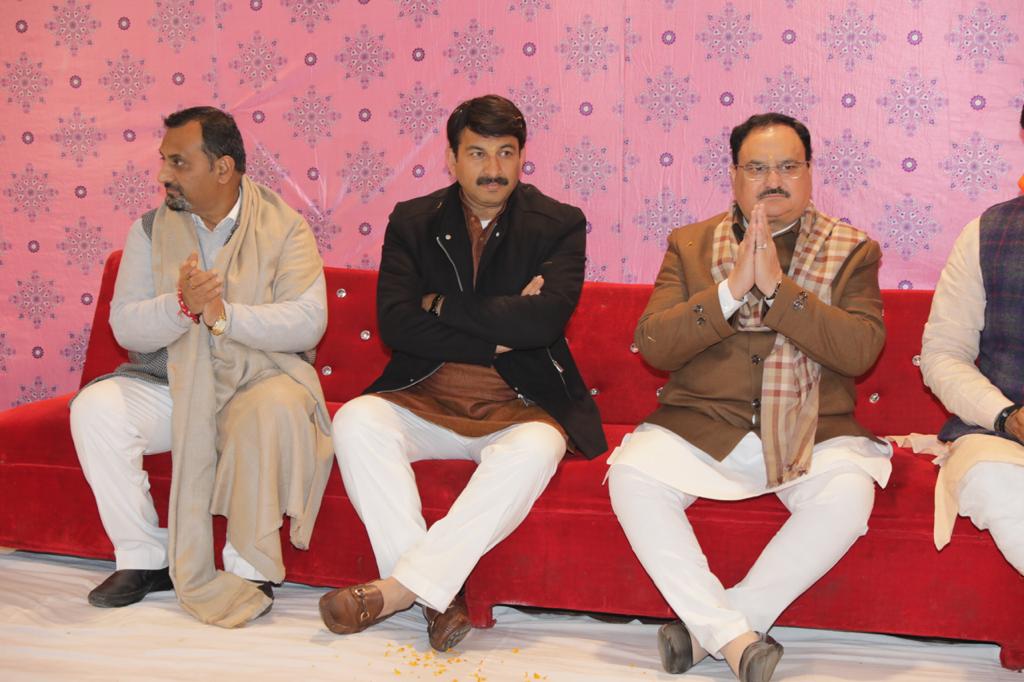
(891, 398)
(103, 354)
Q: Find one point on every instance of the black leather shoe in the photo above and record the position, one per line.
(675, 647)
(759, 660)
(128, 586)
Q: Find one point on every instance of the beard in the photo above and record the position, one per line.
(177, 202)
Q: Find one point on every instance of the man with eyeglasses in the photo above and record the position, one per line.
(763, 315)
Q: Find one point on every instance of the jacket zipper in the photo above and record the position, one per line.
(561, 372)
(457, 277)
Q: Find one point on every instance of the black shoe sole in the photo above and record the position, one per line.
(454, 638)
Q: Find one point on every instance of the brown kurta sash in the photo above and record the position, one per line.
(789, 392)
(272, 256)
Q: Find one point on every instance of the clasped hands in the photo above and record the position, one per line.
(757, 261)
(201, 289)
(532, 288)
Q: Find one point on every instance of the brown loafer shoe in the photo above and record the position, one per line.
(757, 664)
(352, 609)
(446, 630)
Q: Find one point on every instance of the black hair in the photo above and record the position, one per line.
(740, 132)
(221, 136)
(490, 116)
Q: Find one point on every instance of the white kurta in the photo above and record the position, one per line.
(669, 458)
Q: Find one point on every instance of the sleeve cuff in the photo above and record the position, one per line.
(728, 304)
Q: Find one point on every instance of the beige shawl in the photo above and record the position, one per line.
(271, 257)
(789, 392)
(955, 460)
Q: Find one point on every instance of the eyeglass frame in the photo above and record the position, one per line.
(795, 173)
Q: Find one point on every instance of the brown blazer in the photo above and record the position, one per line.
(713, 395)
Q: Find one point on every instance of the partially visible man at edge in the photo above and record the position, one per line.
(763, 315)
(972, 357)
(477, 283)
(220, 300)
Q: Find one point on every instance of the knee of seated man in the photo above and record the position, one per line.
(992, 490)
(852, 495)
(98, 404)
(362, 413)
(548, 442)
(539, 447)
(842, 499)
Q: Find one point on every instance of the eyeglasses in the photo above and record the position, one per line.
(787, 169)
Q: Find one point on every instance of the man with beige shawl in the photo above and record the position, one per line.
(220, 299)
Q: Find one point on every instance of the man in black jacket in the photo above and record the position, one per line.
(477, 283)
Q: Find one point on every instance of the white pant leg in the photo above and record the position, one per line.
(374, 442)
(115, 422)
(236, 563)
(652, 514)
(515, 465)
(992, 496)
(828, 513)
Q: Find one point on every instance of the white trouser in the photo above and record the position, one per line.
(828, 513)
(992, 496)
(376, 441)
(114, 423)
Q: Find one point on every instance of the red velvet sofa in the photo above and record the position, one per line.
(570, 552)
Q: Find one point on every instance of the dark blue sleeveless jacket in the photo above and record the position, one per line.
(1001, 347)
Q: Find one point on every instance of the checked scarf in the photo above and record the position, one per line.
(789, 391)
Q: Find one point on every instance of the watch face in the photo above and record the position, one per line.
(219, 326)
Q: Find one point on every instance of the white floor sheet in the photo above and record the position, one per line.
(49, 632)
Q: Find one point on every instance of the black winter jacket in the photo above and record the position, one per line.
(427, 250)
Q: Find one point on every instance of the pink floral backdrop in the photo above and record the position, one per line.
(913, 106)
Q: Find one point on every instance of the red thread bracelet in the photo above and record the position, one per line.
(185, 310)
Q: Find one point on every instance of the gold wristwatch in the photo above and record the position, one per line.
(220, 325)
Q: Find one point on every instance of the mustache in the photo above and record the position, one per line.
(176, 188)
(773, 190)
(497, 179)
